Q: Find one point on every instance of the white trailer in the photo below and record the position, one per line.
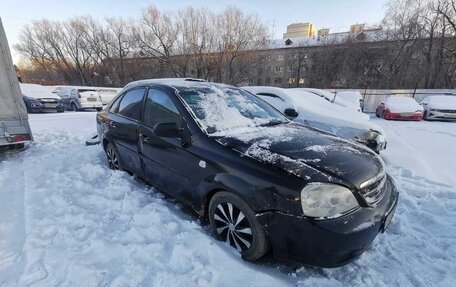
(14, 126)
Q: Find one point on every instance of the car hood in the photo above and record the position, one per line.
(308, 153)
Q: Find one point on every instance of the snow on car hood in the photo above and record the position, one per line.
(402, 105)
(308, 153)
(38, 91)
(441, 102)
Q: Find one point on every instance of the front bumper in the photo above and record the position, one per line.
(331, 242)
(45, 106)
(404, 116)
(441, 115)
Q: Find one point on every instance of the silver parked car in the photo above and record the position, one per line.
(78, 98)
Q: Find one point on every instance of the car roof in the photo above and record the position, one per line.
(162, 81)
(180, 85)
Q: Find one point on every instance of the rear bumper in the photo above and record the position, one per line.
(327, 243)
(90, 105)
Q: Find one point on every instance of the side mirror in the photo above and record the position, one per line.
(172, 130)
(167, 130)
(291, 113)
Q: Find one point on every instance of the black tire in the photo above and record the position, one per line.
(112, 157)
(61, 111)
(237, 226)
(425, 115)
(74, 108)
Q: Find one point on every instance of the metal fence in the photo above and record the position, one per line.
(372, 98)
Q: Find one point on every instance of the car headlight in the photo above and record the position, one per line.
(324, 200)
(370, 135)
(30, 98)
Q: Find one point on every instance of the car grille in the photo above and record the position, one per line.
(375, 192)
(49, 100)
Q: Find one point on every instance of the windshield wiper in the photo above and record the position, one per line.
(272, 123)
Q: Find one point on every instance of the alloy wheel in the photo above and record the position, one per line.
(233, 226)
(113, 162)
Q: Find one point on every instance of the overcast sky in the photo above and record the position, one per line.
(335, 14)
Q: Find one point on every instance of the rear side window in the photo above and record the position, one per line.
(159, 108)
(130, 104)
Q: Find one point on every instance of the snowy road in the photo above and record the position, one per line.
(67, 220)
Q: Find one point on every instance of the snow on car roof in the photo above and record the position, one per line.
(441, 99)
(401, 100)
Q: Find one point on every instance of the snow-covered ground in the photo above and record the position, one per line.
(67, 220)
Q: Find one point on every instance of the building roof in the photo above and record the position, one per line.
(371, 35)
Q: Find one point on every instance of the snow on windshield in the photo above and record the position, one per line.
(220, 110)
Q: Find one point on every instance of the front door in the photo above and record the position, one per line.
(167, 163)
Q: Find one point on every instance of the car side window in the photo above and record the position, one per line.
(115, 106)
(130, 104)
(159, 108)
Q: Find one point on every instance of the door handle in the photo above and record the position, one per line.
(144, 138)
(112, 124)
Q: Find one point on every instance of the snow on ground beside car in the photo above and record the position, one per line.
(67, 220)
(427, 149)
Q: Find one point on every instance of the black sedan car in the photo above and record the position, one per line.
(263, 182)
(51, 103)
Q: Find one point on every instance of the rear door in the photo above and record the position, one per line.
(125, 115)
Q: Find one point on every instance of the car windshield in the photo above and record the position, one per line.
(219, 110)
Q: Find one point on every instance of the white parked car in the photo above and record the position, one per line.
(333, 98)
(353, 97)
(312, 110)
(108, 94)
(77, 98)
(439, 107)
